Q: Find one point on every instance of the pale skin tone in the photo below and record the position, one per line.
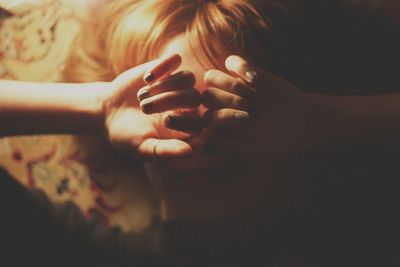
(287, 121)
(193, 188)
(105, 109)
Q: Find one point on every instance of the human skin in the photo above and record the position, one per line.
(107, 110)
(204, 186)
(234, 177)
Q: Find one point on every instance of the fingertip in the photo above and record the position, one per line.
(143, 93)
(176, 58)
(146, 106)
(241, 68)
(191, 77)
(233, 60)
(207, 77)
(164, 66)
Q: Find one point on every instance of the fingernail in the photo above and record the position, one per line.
(149, 77)
(241, 116)
(143, 94)
(146, 107)
(251, 75)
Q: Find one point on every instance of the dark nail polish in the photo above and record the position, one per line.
(251, 76)
(146, 107)
(149, 77)
(144, 94)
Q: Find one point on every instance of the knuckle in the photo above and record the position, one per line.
(181, 79)
(237, 87)
(209, 77)
(239, 102)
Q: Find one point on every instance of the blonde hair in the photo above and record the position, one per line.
(128, 33)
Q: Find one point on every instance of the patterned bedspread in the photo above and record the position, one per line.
(33, 47)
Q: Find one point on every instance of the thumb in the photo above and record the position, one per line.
(163, 149)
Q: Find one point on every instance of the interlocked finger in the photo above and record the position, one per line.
(226, 82)
(178, 81)
(214, 98)
(183, 99)
(230, 123)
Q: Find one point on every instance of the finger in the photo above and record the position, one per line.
(185, 122)
(131, 79)
(184, 99)
(179, 81)
(241, 68)
(230, 123)
(164, 67)
(214, 98)
(223, 81)
(156, 149)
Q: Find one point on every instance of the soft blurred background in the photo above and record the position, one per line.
(35, 38)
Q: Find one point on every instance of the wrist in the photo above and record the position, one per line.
(100, 94)
(89, 109)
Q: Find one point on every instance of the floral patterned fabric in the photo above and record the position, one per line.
(33, 47)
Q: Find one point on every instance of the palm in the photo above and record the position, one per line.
(132, 131)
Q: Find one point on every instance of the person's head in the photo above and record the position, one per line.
(204, 32)
(132, 32)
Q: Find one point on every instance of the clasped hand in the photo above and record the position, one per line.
(241, 122)
(243, 110)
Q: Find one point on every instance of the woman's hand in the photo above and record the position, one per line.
(146, 136)
(175, 99)
(254, 119)
(277, 112)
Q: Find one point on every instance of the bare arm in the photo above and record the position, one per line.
(287, 122)
(108, 109)
(38, 108)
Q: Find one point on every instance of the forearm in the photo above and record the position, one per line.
(40, 108)
(353, 120)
